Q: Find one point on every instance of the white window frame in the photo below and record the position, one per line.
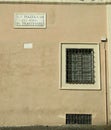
(96, 48)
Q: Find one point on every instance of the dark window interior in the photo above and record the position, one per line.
(78, 119)
(80, 66)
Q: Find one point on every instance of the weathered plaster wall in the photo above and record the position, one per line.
(29, 79)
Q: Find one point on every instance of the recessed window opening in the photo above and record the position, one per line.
(78, 118)
(80, 66)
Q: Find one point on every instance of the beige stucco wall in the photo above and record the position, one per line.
(29, 79)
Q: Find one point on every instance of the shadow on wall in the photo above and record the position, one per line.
(67, 127)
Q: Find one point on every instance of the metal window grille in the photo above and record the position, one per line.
(78, 119)
(80, 66)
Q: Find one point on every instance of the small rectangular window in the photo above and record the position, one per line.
(78, 119)
(80, 66)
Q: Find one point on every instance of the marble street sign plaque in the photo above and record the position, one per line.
(30, 20)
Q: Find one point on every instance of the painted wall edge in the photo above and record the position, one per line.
(59, 1)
